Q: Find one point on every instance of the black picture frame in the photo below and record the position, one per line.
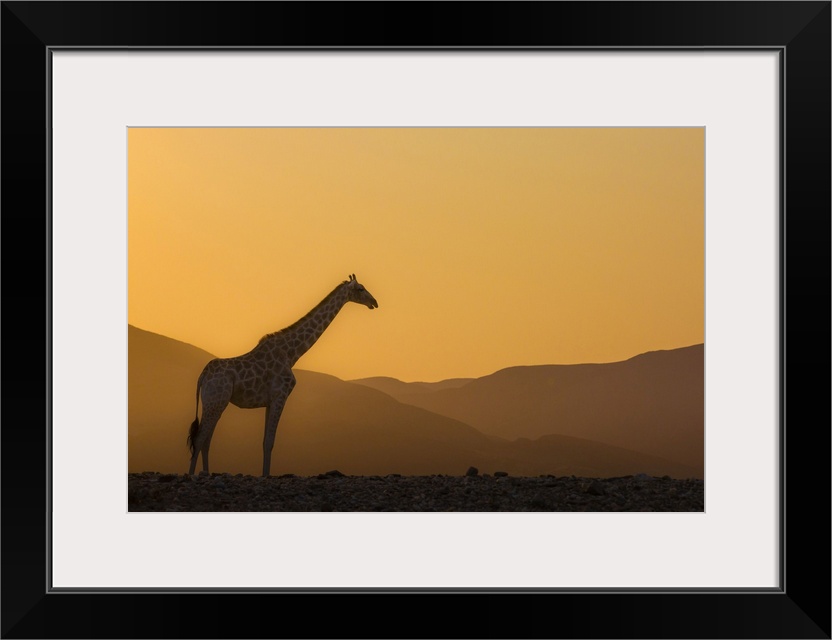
(799, 31)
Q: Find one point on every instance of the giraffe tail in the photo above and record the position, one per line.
(194, 430)
(192, 434)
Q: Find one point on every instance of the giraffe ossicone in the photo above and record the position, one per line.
(263, 377)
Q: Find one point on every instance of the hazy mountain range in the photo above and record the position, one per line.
(643, 415)
(653, 403)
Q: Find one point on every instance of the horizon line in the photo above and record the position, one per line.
(516, 366)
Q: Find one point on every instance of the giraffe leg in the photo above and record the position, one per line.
(273, 414)
(272, 418)
(202, 442)
(216, 394)
(204, 452)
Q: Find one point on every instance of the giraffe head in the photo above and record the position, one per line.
(357, 293)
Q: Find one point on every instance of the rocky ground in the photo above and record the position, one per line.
(333, 491)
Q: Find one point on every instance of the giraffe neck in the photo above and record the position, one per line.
(298, 338)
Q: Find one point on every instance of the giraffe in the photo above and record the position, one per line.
(263, 377)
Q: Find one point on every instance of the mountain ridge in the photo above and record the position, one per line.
(330, 423)
(652, 402)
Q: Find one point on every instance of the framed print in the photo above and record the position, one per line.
(108, 105)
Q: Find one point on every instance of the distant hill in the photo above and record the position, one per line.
(332, 424)
(653, 403)
(161, 399)
(398, 389)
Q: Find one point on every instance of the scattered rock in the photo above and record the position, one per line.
(500, 474)
(595, 488)
(330, 474)
(397, 493)
(472, 471)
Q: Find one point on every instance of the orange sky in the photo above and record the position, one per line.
(485, 248)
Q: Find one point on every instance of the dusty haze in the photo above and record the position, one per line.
(643, 415)
(485, 247)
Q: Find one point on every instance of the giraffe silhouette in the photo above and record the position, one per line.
(263, 377)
